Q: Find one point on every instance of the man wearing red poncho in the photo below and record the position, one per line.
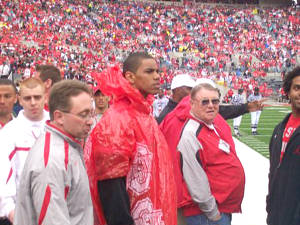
(127, 157)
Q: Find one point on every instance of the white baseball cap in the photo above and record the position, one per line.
(206, 81)
(182, 80)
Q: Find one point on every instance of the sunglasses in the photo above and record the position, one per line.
(205, 102)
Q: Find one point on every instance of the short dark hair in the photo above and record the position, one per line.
(133, 61)
(49, 72)
(97, 92)
(61, 93)
(287, 81)
(8, 82)
(206, 86)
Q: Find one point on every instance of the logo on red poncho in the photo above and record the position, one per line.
(144, 214)
(138, 178)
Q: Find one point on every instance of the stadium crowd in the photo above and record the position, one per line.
(220, 42)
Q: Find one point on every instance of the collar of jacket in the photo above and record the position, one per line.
(73, 141)
(183, 108)
(112, 83)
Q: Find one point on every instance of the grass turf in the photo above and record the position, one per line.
(269, 118)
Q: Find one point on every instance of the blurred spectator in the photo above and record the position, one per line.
(50, 75)
(101, 104)
(181, 86)
(256, 96)
(159, 103)
(237, 99)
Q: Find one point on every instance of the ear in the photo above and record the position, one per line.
(130, 77)
(58, 118)
(48, 84)
(192, 101)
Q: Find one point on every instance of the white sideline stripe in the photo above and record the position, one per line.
(258, 143)
(251, 140)
(256, 169)
(253, 143)
(285, 111)
(258, 147)
(262, 135)
(275, 108)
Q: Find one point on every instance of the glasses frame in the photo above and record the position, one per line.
(85, 118)
(205, 102)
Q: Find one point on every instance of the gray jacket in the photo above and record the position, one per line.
(54, 187)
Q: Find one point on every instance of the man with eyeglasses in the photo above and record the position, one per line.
(54, 186)
(18, 136)
(213, 177)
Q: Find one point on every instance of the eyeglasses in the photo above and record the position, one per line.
(85, 117)
(205, 102)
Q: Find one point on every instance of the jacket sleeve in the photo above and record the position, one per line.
(195, 176)
(7, 192)
(8, 175)
(162, 114)
(272, 144)
(115, 201)
(155, 109)
(232, 111)
(48, 196)
(8, 195)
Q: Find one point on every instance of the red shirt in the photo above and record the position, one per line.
(292, 124)
(46, 107)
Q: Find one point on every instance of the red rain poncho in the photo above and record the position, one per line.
(128, 143)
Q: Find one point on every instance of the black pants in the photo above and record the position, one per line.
(4, 222)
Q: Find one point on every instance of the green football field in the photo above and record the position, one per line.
(270, 117)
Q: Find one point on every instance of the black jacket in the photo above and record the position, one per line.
(283, 200)
(169, 107)
(226, 111)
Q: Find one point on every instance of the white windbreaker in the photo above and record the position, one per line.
(54, 187)
(16, 139)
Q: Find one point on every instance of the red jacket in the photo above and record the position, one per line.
(171, 127)
(224, 171)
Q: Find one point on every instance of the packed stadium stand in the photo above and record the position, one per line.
(238, 43)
